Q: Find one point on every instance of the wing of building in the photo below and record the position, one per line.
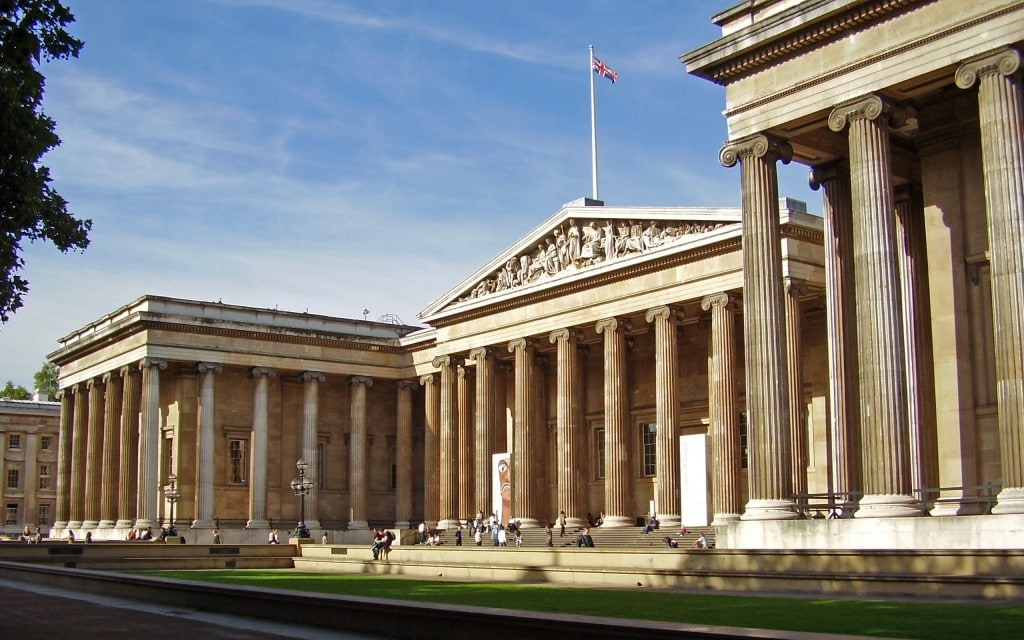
(751, 368)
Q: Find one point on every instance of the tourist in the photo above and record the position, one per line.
(216, 537)
(701, 542)
(585, 539)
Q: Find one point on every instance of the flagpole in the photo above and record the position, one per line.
(593, 124)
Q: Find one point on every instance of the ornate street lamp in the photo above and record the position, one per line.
(172, 494)
(301, 486)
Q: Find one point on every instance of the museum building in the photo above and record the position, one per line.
(752, 368)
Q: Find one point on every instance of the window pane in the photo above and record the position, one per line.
(649, 442)
(13, 478)
(600, 452)
(238, 462)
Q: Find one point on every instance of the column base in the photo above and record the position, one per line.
(449, 523)
(615, 522)
(888, 506)
(312, 524)
(257, 524)
(669, 521)
(146, 523)
(60, 524)
(724, 518)
(577, 523)
(1009, 500)
(74, 524)
(769, 510)
(90, 524)
(358, 525)
(403, 524)
(204, 524)
(106, 524)
(528, 523)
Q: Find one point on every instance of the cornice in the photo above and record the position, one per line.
(270, 337)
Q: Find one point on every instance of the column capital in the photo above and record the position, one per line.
(110, 375)
(447, 360)
(718, 300)
(405, 385)
(561, 335)
(821, 174)
(869, 107)
(520, 344)
(257, 372)
(93, 382)
(428, 378)
(663, 312)
(612, 324)
(147, 363)
(479, 353)
(310, 376)
(364, 380)
(211, 367)
(1005, 62)
(795, 286)
(758, 145)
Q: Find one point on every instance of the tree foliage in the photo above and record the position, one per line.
(47, 376)
(31, 32)
(12, 392)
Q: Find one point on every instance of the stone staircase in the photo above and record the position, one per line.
(618, 537)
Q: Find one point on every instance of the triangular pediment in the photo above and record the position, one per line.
(584, 238)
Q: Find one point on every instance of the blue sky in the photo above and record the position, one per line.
(337, 156)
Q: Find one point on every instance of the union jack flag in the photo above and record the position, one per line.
(602, 70)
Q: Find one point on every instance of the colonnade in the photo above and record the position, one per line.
(872, 257)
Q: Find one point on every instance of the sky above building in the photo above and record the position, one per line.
(353, 159)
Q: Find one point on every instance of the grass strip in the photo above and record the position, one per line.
(894, 619)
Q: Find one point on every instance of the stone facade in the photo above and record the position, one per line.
(29, 431)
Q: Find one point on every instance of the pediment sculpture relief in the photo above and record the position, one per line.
(578, 245)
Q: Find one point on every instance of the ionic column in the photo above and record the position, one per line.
(79, 435)
(358, 469)
(260, 429)
(723, 410)
(111, 470)
(403, 456)
(149, 443)
(666, 385)
(881, 352)
(448, 473)
(64, 437)
(523, 452)
(484, 428)
(310, 452)
(465, 483)
(840, 320)
(769, 465)
(206, 463)
(569, 434)
(1000, 114)
(127, 485)
(431, 451)
(913, 272)
(617, 490)
(93, 454)
(796, 289)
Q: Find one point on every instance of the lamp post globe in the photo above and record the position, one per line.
(172, 494)
(301, 487)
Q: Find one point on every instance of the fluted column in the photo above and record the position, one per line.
(448, 472)
(127, 485)
(913, 272)
(403, 456)
(617, 490)
(358, 469)
(64, 437)
(1000, 112)
(260, 433)
(93, 454)
(840, 319)
(79, 434)
(310, 452)
(431, 449)
(666, 401)
(571, 473)
(465, 482)
(769, 465)
(149, 443)
(881, 352)
(484, 417)
(795, 290)
(206, 463)
(111, 468)
(723, 411)
(523, 436)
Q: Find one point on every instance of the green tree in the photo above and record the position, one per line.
(46, 377)
(12, 392)
(31, 32)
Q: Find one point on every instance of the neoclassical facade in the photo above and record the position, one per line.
(737, 367)
(908, 115)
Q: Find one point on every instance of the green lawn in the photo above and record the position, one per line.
(857, 617)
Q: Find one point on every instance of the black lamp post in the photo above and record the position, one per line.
(172, 494)
(301, 486)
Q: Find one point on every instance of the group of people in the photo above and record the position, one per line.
(382, 539)
(32, 537)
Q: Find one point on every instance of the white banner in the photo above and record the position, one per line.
(693, 480)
